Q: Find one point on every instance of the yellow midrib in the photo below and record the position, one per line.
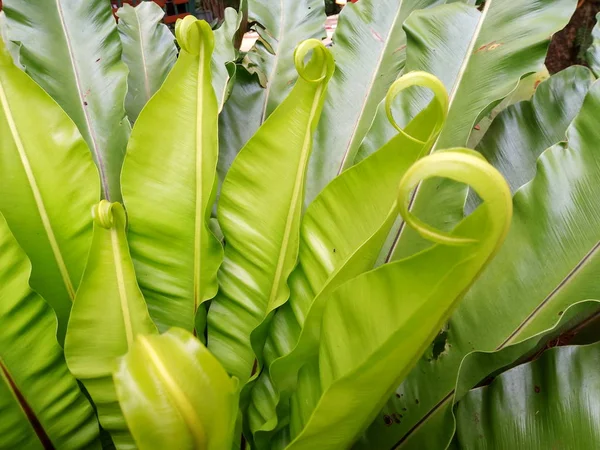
(295, 202)
(199, 197)
(177, 396)
(114, 237)
(143, 54)
(37, 196)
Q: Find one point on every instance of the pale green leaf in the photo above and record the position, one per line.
(175, 394)
(338, 243)
(149, 52)
(376, 326)
(82, 71)
(174, 167)
(48, 183)
(549, 261)
(259, 212)
(370, 51)
(108, 313)
(224, 56)
(42, 405)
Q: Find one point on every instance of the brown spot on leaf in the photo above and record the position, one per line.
(376, 35)
(387, 420)
(537, 389)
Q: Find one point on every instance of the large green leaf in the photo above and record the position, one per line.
(520, 133)
(480, 56)
(548, 262)
(552, 402)
(48, 184)
(259, 212)
(376, 326)
(174, 166)
(224, 56)
(41, 403)
(282, 25)
(370, 51)
(593, 53)
(338, 243)
(108, 313)
(72, 50)
(175, 394)
(149, 52)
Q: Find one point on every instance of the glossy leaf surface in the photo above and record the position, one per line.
(369, 51)
(259, 212)
(593, 52)
(168, 186)
(387, 317)
(48, 183)
(520, 133)
(550, 402)
(338, 243)
(108, 313)
(82, 71)
(175, 394)
(550, 257)
(41, 403)
(149, 52)
(12, 47)
(480, 56)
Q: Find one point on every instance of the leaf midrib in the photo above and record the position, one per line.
(82, 103)
(143, 55)
(123, 299)
(28, 412)
(198, 217)
(369, 89)
(176, 395)
(37, 195)
(295, 202)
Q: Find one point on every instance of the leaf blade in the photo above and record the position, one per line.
(85, 74)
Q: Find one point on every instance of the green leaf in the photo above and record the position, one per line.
(548, 403)
(369, 52)
(48, 184)
(524, 91)
(224, 56)
(338, 243)
(108, 313)
(12, 48)
(163, 408)
(593, 53)
(82, 71)
(41, 403)
(281, 26)
(480, 57)
(376, 326)
(149, 52)
(521, 132)
(259, 212)
(175, 254)
(237, 120)
(548, 262)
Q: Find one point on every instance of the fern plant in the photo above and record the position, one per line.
(211, 258)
